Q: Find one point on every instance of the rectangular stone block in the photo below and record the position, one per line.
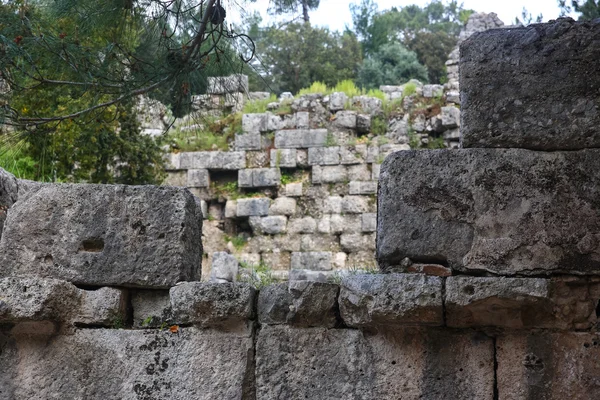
(506, 211)
(271, 225)
(253, 207)
(546, 365)
(345, 223)
(532, 87)
(151, 308)
(245, 178)
(266, 177)
(368, 222)
(103, 235)
(355, 204)
(391, 300)
(362, 187)
(405, 363)
(324, 155)
(353, 154)
(329, 174)
(293, 189)
(236, 83)
(248, 141)
(283, 158)
(253, 124)
(300, 138)
(198, 178)
(111, 364)
(355, 242)
(313, 260)
(359, 172)
(213, 160)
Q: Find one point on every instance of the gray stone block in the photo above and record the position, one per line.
(271, 225)
(198, 178)
(283, 158)
(248, 141)
(213, 160)
(373, 154)
(283, 206)
(266, 177)
(371, 105)
(224, 267)
(329, 174)
(324, 155)
(8, 194)
(245, 178)
(293, 189)
(316, 242)
(355, 204)
(236, 83)
(375, 170)
(314, 261)
(548, 75)
(359, 172)
(355, 242)
(353, 154)
(332, 205)
(362, 187)
(110, 364)
(213, 304)
(337, 101)
(345, 119)
(106, 306)
(231, 209)
(368, 222)
(409, 363)
(303, 225)
(253, 207)
(98, 235)
(363, 123)
(300, 138)
(507, 211)
(433, 91)
(450, 117)
(345, 223)
(253, 124)
(299, 303)
(391, 300)
(151, 308)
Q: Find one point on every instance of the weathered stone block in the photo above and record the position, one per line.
(353, 154)
(363, 123)
(345, 223)
(245, 178)
(375, 170)
(540, 106)
(315, 260)
(394, 299)
(231, 209)
(271, 225)
(406, 364)
(303, 225)
(283, 206)
(450, 117)
(337, 101)
(151, 308)
(253, 207)
(332, 205)
(224, 267)
(433, 90)
(329, 174)
(213, 160)
(257, 159)
(198, 178)
(104, 235)
(316, 242)
(299, 303)
(373, 154)
(324, 224)
(324, 155)
(110, 364)
(370, 105)
(298, 138)
(345, 119)
(355, 204)
(266, 177)
(213, 304)
(103, 307)
(362, 187)
(547, 365)
(506, 211)
(359, 172)
(283, 158)
(293, 189)
(368, 222)
(277, 260)
(253, 124)
(236, 83)
(354, 242)
(8, 194)
(248, 141)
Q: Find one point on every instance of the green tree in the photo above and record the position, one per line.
(391, 64)
(292, 6)
(588, 9)
(298, 55)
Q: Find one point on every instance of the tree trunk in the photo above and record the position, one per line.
(305, 11)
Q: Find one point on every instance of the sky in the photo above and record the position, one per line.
(336, 15)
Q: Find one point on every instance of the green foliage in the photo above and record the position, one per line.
(410, 88)
(379, 125)
(587, 9)
(208, 133)
(17, 163)
(393, 63)
(376, 93)
(348, 87)
(436, 143)
(330, 140)
(227, 190)
(239, 241)
(259, 276)
(258, 106)
(315, 88)
(277, 7)
(117, 322)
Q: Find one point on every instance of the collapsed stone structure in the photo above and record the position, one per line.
(490, 290)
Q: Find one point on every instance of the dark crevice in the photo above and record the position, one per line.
(598, 309)
(496, 395)
(443, 302)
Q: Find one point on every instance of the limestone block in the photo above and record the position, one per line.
(198, 178)
(362, 187)
(363, 123)
(316, 242)
(410, 363)
(450, 117)
(314, 260)
(248, 141)
(257, 159)
(391, 300)
(345, 223)
(373, 154)
(302, 158)
(300, 138)
(111, 364)
(103, 307)
(249, 258)
(505, 211)
(355, 204)
(337, 101)
(324, 224)
(368, 222)
(8, 194)
(283, 206)
(345, 119)
(178, 178)
(236, 83)
(551, 80)
(293, 189)
(274, 122)
(151, 308)
(433, 91)
(301, 120)
(101, 235)
(353, 154)
(252, 124)
(309, 275)
(271, 225)
(359, 172)
(224, 267)
(375, 170)
(203, 208)
(329, 174)
(324, 155)
(212, 304)
(299, 303)
(332, 205)
(370, 105)
(253, 207)
(529, 365)
(283, 158)
(362, 261)
(266, 177)
(339, 260)
(245, 178)
(278, 260)
(172, 161)
(397, 130)
(213, 160)
(303, 225)
(288, 242)
(354, 242)
(231, 209)
(387, 149)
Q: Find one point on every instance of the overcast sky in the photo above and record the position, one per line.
(336, 14)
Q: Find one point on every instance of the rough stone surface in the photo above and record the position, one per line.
(151, 308)
(412, 364)
(104, 235)
(213, 160)
(507, 211)
(544, 107)
(324, 155)
(213, 304)
(361, 187)
(236, 83)
(299, 303)
(283, 158)
(300, 138)
(283, 206)
(224, 267)
(127, 364)
(329, 174)
(313, 260)
(198, 178)
(270, 225)
(8, 194)
(391, 300)
(253, 207)
(546, 365)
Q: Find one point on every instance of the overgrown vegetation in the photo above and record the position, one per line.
(259, 275)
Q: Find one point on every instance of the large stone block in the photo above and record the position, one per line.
(545, 365)
(283, 158)
(320, 363)
(198, 178)
(224, 267)
(299, 303)
(507, 211)
(213, 160)
(259, 177)
(271, 225)
(100, 235)
(253, 207)
(236, 83)
(248, 141)
(313, 260)
(111, 364)
(298, 138)
(329, 174)
(8, 194)
(391, 300)
(324, 155)
(533, 87)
